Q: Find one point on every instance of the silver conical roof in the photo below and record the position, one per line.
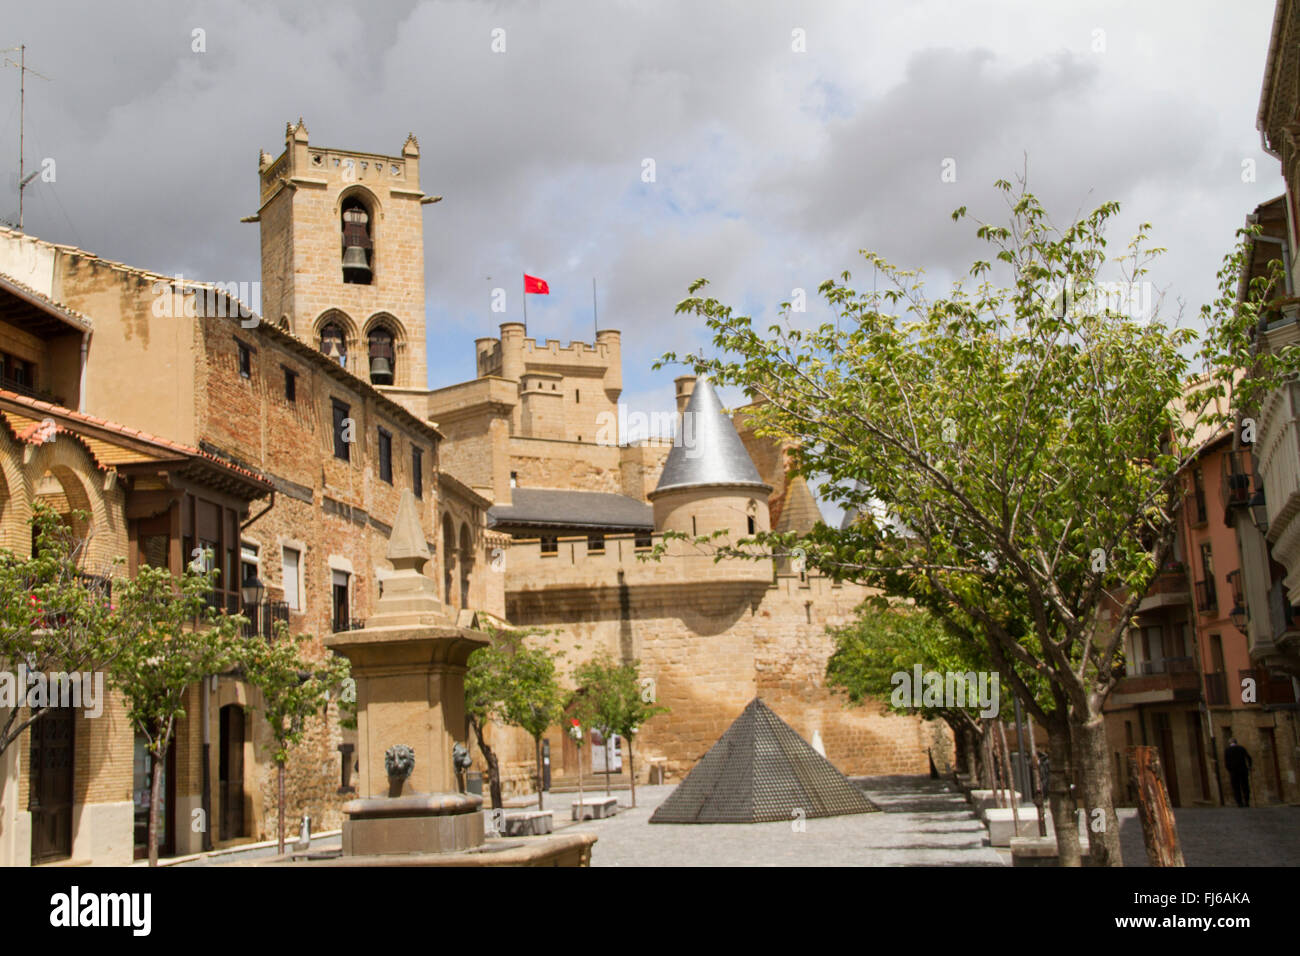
(708, 451)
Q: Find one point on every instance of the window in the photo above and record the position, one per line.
(577, 397)
(292, 562)
(514, 479)
(290, 385)
(340, 598)
(596, 542)
(550, 544)
(342, 431)
(417, 472)
(385, 456)
(245, 359)
(750, 519)
(643, 540)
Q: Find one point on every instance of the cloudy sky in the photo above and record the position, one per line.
(773, 165)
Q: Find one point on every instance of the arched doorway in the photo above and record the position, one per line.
(230, 771)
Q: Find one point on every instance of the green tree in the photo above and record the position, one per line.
(54, 618)
(1023, 431)
(168, 639)
(598, 701)
(513, 683)
(638, 705)
(294, 689)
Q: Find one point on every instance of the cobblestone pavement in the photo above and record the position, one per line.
(1223, 836)
(923, 822)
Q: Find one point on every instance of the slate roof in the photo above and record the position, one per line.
(550, 508)
(710, 452)
(761, 771)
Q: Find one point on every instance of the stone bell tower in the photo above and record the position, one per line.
(343, 255)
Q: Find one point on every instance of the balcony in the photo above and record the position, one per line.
(1242, 489)
(349, 624)
(1162, 680)
(1206, 598)
(1168, 589)
(10, 384)
(1271, 690)
(1197, 511)
(1281, 613)
(263, 617)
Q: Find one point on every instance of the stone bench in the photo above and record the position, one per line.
(981, 800)
(595, 808)
(1002, 825)
(532, 823)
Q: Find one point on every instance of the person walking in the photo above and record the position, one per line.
(1238, 762)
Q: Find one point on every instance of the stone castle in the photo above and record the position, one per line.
(284, 442)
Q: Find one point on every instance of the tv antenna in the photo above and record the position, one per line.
(23, 69)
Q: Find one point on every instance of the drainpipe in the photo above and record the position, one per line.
(205, 796)
(81, 373)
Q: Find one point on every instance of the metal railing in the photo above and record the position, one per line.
(1166, 665)
(263, 617)
(1206, 598)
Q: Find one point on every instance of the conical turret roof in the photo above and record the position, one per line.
(708, 450)
(760, 771)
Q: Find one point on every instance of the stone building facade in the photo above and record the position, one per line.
(535, 508)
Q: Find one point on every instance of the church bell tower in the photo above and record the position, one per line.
(343, 255)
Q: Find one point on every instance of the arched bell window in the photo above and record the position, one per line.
(382, 363)
(358, 246)
(333, 344)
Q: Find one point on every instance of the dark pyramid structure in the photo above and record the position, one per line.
(760, 771)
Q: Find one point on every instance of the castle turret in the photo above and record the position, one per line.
(709, 482)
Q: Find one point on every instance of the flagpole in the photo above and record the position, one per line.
(595, 316)
(525, 280)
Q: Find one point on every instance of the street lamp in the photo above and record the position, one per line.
(1259, 511)
(1239, 618)
(251, 590)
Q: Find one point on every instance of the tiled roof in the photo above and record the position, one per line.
(549, 508)
(32, 430)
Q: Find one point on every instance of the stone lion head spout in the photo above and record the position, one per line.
(399, 761)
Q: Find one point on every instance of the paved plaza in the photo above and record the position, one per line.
(922, 822)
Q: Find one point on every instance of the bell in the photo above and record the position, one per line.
(381, 371)
(354, 257)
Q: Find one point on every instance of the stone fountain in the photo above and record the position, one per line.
(409, 667)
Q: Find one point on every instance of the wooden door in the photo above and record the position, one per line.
(51, 784)
(230, 771)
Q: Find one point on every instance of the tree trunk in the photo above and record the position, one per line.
(1091, 749)
(1036, 782)
(631, 770)
(494, 769)
(279, 826)
(1064, 812)
(537, 752)
(155, 804)
(1159, 832)
(609, 745)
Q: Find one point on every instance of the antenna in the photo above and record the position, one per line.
(23, 70)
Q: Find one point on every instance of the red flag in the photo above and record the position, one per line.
(536, 286)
